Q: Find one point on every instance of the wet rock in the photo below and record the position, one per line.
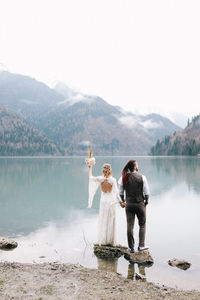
(7, 244)
(108, 251)
(143, 257)
(179, 263)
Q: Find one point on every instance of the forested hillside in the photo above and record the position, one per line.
(184, 142)
(17, 137)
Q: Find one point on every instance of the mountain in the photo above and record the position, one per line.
(83, 120)
(89, 120)
(95, 123)
(157, 125)
(74, 120)
(178, 118)
(26, 96)
(17, 137)
(184, 142)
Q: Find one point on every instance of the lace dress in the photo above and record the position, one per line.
(107, 210)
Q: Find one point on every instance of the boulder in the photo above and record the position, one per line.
(179, 263)
(108, 251)
(7, 244)
(142, 257)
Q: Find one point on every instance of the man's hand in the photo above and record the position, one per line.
(123, 204)
(146, 200)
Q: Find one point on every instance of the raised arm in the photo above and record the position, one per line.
(94, 183)
(90, 171)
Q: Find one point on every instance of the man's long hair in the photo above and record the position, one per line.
(128, 168)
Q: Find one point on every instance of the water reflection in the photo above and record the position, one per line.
(135, 271)
(108, 264)
(38, 190)
(43, 206)
(140, 274)
(176, 169)
(35, 191)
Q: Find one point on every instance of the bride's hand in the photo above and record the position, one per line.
(90, 162)
(123, 204)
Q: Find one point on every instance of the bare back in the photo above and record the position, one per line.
(106, 187)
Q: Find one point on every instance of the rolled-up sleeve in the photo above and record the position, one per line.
(146, 190)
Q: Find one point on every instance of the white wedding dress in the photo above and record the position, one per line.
(107, 210)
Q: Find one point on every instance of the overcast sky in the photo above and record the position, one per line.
(141, 55)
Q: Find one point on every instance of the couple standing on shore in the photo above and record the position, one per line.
(133, 195)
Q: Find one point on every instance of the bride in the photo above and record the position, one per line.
(109, 198)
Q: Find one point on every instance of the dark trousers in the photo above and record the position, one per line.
(138, 209)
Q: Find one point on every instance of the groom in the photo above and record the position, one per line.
(136, 189)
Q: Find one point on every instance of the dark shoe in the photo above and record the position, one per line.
(132, 250)
(142, 248)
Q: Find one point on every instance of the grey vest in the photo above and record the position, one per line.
(134, 188)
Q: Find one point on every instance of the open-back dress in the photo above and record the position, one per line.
(107, 210)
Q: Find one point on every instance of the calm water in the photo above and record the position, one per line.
(43, 206)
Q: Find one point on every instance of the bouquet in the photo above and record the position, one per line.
(91, 160)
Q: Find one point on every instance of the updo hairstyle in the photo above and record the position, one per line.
(107, 170)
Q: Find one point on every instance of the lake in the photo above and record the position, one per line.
(43, 206)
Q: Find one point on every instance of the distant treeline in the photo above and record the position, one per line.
(185, 142)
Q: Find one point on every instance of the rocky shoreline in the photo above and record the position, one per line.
(54, 281)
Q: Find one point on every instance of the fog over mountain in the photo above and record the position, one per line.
(178, 118)
(74, 120)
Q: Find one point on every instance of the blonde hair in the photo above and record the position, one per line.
(107, 170)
